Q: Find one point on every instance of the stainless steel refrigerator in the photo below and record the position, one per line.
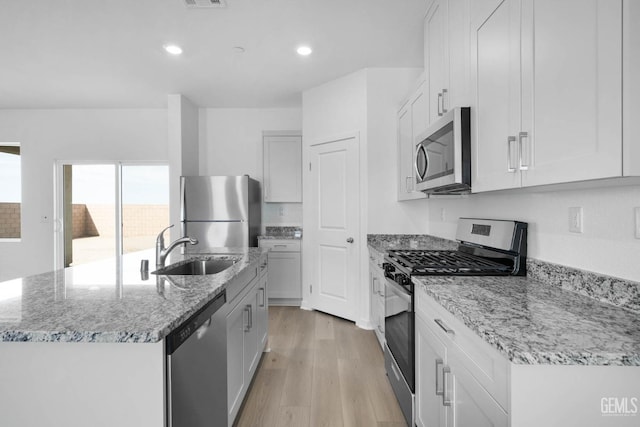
(220, 211)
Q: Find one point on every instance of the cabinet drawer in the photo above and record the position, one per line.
(489, 368)
(281, 245)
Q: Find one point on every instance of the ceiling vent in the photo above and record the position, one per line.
(200, 4)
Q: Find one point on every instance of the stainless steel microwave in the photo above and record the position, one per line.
(443, 154)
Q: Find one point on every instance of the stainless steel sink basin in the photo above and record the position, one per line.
(197, 267)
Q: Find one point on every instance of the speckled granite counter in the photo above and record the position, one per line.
(557, 315)
(534, 323)
(93, 303)
(281, 233)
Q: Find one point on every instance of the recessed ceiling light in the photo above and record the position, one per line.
(238, 49)
(304, 50)
(173, 49)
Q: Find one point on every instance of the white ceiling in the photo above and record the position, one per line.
(108, 53)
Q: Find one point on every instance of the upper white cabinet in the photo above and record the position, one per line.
(446, 56)
(282, 167)
(631, 88)
(547, 84)
(412, 120)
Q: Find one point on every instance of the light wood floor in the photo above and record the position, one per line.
(321, 371)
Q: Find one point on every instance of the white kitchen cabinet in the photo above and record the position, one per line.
(446, 56)
(282, 167)
(485, 389)
(431, 355)
(459, 381)
(262, 304)
(246, 323)
(412, 120)
(285, 271)
(631, 88)
(547, 83)
(377, 299)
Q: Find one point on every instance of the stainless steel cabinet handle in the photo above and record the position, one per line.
(440, 102)
(524, 165)
(444, 93)
(374, 280)
(395, 372)
(350, 240)
(444, 327)
(510, 167)
(279, 246)
(439, 364)
(380, 329)
(264, 293)
(247, 308)
(407, 184)
(446, 399)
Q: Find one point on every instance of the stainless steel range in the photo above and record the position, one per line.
(486, 248)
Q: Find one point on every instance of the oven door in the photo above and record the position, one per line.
(399, 325)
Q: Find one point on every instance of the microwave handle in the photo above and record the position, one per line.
(420, 176)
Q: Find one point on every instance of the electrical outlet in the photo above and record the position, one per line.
(637, 210)
(442, 214)
(281, 211)
(575, 220)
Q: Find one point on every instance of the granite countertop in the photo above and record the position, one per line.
(531, 322)
(282, 233)
(556, 316)
(94, 303)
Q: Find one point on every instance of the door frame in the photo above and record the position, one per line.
(361, 312)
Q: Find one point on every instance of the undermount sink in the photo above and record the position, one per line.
(197, 267)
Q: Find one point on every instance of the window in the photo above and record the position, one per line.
(10, 190)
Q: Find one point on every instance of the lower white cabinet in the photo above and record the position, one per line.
(463, 381)
(242, 329)
(376, 287)
(285, 272)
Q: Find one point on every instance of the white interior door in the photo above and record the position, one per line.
(335, 226)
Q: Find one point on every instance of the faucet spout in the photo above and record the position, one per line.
(162, 252)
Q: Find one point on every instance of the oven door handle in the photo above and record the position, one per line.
(399, 291)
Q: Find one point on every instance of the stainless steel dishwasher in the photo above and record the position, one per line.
(193, 377)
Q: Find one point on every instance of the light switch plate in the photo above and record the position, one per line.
(575, 220)
(637, 211)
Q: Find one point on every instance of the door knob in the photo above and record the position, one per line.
(350, 240)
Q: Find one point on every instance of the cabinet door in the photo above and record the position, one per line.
(283, 169)
(236, 324)
(431, 357)
(284, 275)
(412, 120)
(471, 405)
(495, 69)
(572, 90)
(251, 350)
(631, 98)
(436, 57)
(262, 304)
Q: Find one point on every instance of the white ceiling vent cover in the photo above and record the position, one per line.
(205, 3)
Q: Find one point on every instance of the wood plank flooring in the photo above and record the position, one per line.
(322, 371)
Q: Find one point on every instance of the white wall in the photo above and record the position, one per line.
(48, 135)
(183, 130)
(231, 144)
(606, 246)
(364, 102)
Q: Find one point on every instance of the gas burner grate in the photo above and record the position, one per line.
(447, 262)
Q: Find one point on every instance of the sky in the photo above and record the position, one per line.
(10, 185)
(141, 184)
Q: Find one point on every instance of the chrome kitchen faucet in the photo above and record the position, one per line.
(162, 252)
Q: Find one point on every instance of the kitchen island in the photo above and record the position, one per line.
(85, 345)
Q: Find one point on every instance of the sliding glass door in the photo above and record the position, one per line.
(107, 210)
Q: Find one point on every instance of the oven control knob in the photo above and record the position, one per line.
(388, 268)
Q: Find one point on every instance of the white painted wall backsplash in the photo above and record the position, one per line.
(607, 245)
(50, 135)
